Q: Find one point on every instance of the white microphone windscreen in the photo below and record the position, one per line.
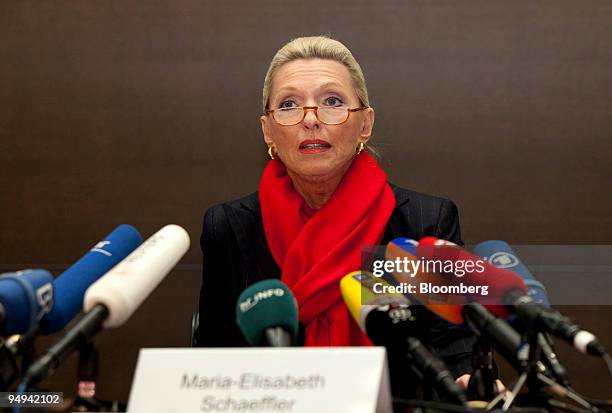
(124, 288)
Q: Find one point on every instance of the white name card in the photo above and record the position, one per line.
(279, 380)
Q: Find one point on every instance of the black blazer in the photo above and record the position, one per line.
(236, 255)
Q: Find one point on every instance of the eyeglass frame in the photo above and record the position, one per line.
(316, 109)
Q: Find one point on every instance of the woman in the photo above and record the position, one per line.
(321, 199)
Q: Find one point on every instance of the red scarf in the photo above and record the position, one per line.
(315, 252)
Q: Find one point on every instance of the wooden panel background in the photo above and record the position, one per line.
(147, 113)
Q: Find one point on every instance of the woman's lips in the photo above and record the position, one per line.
(314, 146)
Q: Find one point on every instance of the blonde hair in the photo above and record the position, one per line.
(318, 47)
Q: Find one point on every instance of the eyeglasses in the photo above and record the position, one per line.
(329, 115)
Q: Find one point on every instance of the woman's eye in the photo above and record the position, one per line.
(287, 104)
(333, 101)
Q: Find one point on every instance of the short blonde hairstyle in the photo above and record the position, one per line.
(316, 47)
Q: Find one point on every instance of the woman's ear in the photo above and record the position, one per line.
(265, 130)
(367, 125)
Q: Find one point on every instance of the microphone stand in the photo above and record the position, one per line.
(9, 372)
(11, 348)
(87, 375)
(530, 375)
(25, 347)
(528, 354)
(482, 380)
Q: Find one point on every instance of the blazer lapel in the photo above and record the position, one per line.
(393, 227)
(245, 219)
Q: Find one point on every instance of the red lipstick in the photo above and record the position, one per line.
(310, 146)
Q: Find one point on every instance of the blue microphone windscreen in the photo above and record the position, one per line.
(407, 244)
(24, 296)
(500, 254)
(266, 304)
(70, 286)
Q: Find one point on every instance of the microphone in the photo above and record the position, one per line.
(267, 314)
(500, 254)
(394, 326)
(69, 287)
(497, 280)
(498, 331)
(512, 290)
(507, 341)
(123, 289)
(447, 306)
(25, 297)
(360, 296)
(111, 300)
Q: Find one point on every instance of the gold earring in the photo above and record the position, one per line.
(360, 148)
(270, 154)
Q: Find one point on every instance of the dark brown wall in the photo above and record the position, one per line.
(147, 113)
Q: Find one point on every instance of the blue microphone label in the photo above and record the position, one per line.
(99, 247)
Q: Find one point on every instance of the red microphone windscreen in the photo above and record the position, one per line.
(470, 269)
(447, 306)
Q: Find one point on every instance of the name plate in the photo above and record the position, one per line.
(280, 380)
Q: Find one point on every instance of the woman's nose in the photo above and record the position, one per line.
(310, 119)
